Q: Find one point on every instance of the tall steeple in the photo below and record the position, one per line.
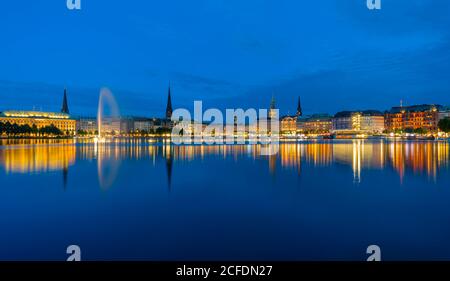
(169, 105)
(272, 107)
(65, 107)
(299, 108)
(272, 102)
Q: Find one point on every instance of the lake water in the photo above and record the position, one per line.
(147, 200)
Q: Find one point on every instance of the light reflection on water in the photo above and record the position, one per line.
(145, 199)
(32, 156)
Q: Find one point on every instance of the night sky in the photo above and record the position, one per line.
(335, 54)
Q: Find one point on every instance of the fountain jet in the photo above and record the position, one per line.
(106, 96)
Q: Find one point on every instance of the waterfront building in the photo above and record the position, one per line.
(195, 128)
(87, 124)
(444, 113)
(288, 124)
(126, 125)
(423, 117)
(119, 125)
(144, 124)
(264, 125)
(40, 119)
(315, 124)
(359, 122)
(111, 125)
(372, 121)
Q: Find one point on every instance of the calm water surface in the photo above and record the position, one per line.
(146, 200)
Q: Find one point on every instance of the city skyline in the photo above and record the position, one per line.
(216, 139)
(424, 119)
(168, 96)
(236, 55)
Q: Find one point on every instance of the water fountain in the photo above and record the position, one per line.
(107, 167)
(105, 97)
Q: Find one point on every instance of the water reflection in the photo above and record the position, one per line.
(168, 154)
(65, 177)
(108, 162)
(418, 158)
(37, 158)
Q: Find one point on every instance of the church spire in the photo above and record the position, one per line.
(272, 108)
(169, 105)
(299, 108)
(65, 107)
(272, 102)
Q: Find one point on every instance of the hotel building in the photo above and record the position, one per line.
(60, 120)
(146, 124)
(414, 117)
(444, 113)
(87, 124)
(315, 124)
(349, 122)
(288, 123)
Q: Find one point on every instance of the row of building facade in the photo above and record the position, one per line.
(70, 125)
(38, 119)
(398, 119)
(423, 118)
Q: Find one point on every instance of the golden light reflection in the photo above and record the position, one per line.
(419, 157)
(37, 158)
(422, 158)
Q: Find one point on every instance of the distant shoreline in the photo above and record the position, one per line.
(282, 138)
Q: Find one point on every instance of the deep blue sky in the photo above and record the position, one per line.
(335, 54)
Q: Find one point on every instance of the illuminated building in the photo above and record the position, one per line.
(60, 120)
(145, 124)
(111, 125)
(369, 121)
(372, 122)
(289, 124)
(413, 117)
(123, 125)
(315, 124)
(444, 113)
(119, 125)
(39, 119)
(126, 125)
(343, 121)
(87, 124)
(269, 124)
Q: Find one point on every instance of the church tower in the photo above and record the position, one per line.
(65, 107)
(169, 105)
(299, 108)
(272, 113)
